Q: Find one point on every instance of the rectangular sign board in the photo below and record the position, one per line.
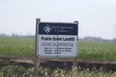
(56, 40)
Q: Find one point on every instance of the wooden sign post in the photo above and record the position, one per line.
(56, 41)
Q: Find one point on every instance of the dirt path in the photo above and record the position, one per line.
(64, 63)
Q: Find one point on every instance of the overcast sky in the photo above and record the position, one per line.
(96, 18)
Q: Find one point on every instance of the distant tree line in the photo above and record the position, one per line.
(16, 35)
(97, 39)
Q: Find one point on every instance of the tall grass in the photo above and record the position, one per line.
(19, 71)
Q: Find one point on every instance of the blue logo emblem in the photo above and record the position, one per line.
(47, 28)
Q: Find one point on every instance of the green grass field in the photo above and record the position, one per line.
(12, 46)
(97, 50)
(16, 46)
(20, 47)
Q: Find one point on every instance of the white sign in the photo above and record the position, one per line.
(57, 40)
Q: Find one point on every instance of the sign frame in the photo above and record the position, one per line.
(37, 40)
(37, 59)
